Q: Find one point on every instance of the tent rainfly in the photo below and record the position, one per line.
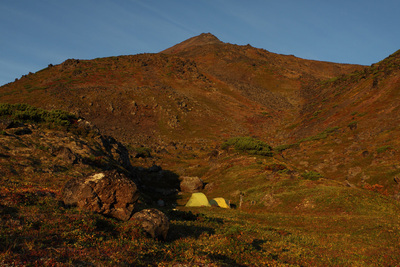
(220, 202)
(198, 200)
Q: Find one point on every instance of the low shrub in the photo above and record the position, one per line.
(27, 113)
(286, 146)
(249, 145)
(311, 175)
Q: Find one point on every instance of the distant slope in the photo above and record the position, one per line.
(363, 108)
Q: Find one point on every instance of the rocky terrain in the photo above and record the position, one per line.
(308, 150)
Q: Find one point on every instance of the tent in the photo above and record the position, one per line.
(198, 200)
(220, 202)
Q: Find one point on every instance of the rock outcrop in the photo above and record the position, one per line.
(109, 193)
(154, 222)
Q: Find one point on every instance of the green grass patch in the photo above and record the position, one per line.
(250, 145)
(27, 113)
(319, 136)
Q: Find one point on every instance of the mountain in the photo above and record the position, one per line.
(199, 86)
(273, 80)
(200, 40)
(307, 151)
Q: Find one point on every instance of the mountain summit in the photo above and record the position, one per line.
(200, 40)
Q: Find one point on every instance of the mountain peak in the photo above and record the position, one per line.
(204, 38)
(199, 40)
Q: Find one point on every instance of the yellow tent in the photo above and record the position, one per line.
(198, 200)
(220, 202)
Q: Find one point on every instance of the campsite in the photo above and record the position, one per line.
(204, 151)
(200, 200)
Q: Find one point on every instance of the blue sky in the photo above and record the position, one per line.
(34, 34)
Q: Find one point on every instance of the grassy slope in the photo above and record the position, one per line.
(300, 222)
(362, 107)
(287, 219)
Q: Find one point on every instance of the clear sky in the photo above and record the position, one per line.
(36, 33)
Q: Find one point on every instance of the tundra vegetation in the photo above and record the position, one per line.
(286, 220)
(305, 151)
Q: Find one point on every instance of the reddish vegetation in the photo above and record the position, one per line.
(307, 151)
(201, 91)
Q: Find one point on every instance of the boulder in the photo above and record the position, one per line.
(109, 193)
(191, 184)
(66, 155)
(153, 221)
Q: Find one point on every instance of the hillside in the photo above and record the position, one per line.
(276, 81)
(316, 185)
(362, 110)
(168, 96)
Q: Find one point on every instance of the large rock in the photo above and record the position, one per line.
(191, 184)
(153, 221)
(109, 193)
(66, 155)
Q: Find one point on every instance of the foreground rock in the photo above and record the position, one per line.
(191, 184)
(109, 193)
(154, 222)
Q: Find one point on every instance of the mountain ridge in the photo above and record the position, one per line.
(163, 71)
